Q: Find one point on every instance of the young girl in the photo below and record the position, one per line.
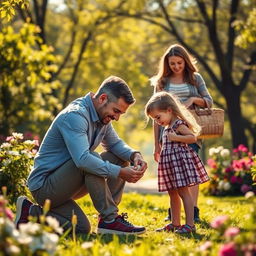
(179, 167)
(178, 74)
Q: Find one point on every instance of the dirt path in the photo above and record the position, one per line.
(148, 186)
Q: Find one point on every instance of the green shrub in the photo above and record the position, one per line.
(17, 156)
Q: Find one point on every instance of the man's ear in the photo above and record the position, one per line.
(103, 98)
(169, 110)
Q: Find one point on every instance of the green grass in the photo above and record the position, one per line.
(150, 211)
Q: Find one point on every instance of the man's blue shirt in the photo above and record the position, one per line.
(74, 134)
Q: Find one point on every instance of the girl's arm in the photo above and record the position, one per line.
(157, 148)
(186, 135)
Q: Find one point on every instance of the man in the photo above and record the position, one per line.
(67, 168)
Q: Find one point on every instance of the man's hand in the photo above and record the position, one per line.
(131, 175)
(139, 163)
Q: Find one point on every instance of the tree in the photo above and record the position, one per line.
(82, 22)
(25, 90)
(208, 20)
(7, 8)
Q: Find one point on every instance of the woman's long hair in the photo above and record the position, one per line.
(165, 72)
(163, 101)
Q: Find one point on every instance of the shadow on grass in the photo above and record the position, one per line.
(108, 238)
(204, 224)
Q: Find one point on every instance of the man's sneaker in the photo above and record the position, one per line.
(196, 214)
(119, 226)
(22, 210)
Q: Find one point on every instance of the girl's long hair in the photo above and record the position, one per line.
(162, 101)
(165, 72)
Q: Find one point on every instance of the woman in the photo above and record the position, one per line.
(178, 74)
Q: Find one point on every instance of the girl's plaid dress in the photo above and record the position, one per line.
(179, 165)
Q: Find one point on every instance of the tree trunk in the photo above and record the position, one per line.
(235, 117)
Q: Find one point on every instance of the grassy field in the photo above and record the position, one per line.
(150, 211)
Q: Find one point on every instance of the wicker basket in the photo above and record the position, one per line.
(211, 121)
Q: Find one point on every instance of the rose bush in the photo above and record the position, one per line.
(230, 173)
(16, 155)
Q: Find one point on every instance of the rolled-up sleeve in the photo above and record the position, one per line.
(74, 129)
(203, 91)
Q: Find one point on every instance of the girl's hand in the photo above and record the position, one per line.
(172, 136)
(157, 153)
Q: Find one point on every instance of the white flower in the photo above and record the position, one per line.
(249, 194)
(50, 242)
(24, 239)
(36, 244)
(54, 224)
(87, 245)
(30, 228)
(224, 152)
(226, 186)
(13, 249)
(221, 185)
(219, 149)
(7, 225)
(13, 153)
(29, 142)
(5, 145)
(211, 151)
(17, 135)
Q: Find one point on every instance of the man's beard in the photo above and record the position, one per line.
(105, 119)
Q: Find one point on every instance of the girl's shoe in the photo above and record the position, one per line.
(168, 228)
(186, 229)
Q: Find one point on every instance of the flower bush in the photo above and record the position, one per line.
(230, 173)
(234, 240)
(16, 155)
(32, 238)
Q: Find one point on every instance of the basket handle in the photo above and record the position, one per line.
(203, 111)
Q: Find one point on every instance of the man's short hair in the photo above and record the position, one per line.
(115, 88)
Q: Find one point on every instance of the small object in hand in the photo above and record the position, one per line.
(138, 167)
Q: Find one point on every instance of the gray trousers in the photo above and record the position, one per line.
(68, 183)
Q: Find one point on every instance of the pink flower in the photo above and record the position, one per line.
(219, 221)
(211, 162)
(228, 250)
(228, 169)
(237, 165)
(242, 148)
(245, 188)
(4, 211)
(236, 179)
(9, 138)
(231, 232)
(205, 246)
